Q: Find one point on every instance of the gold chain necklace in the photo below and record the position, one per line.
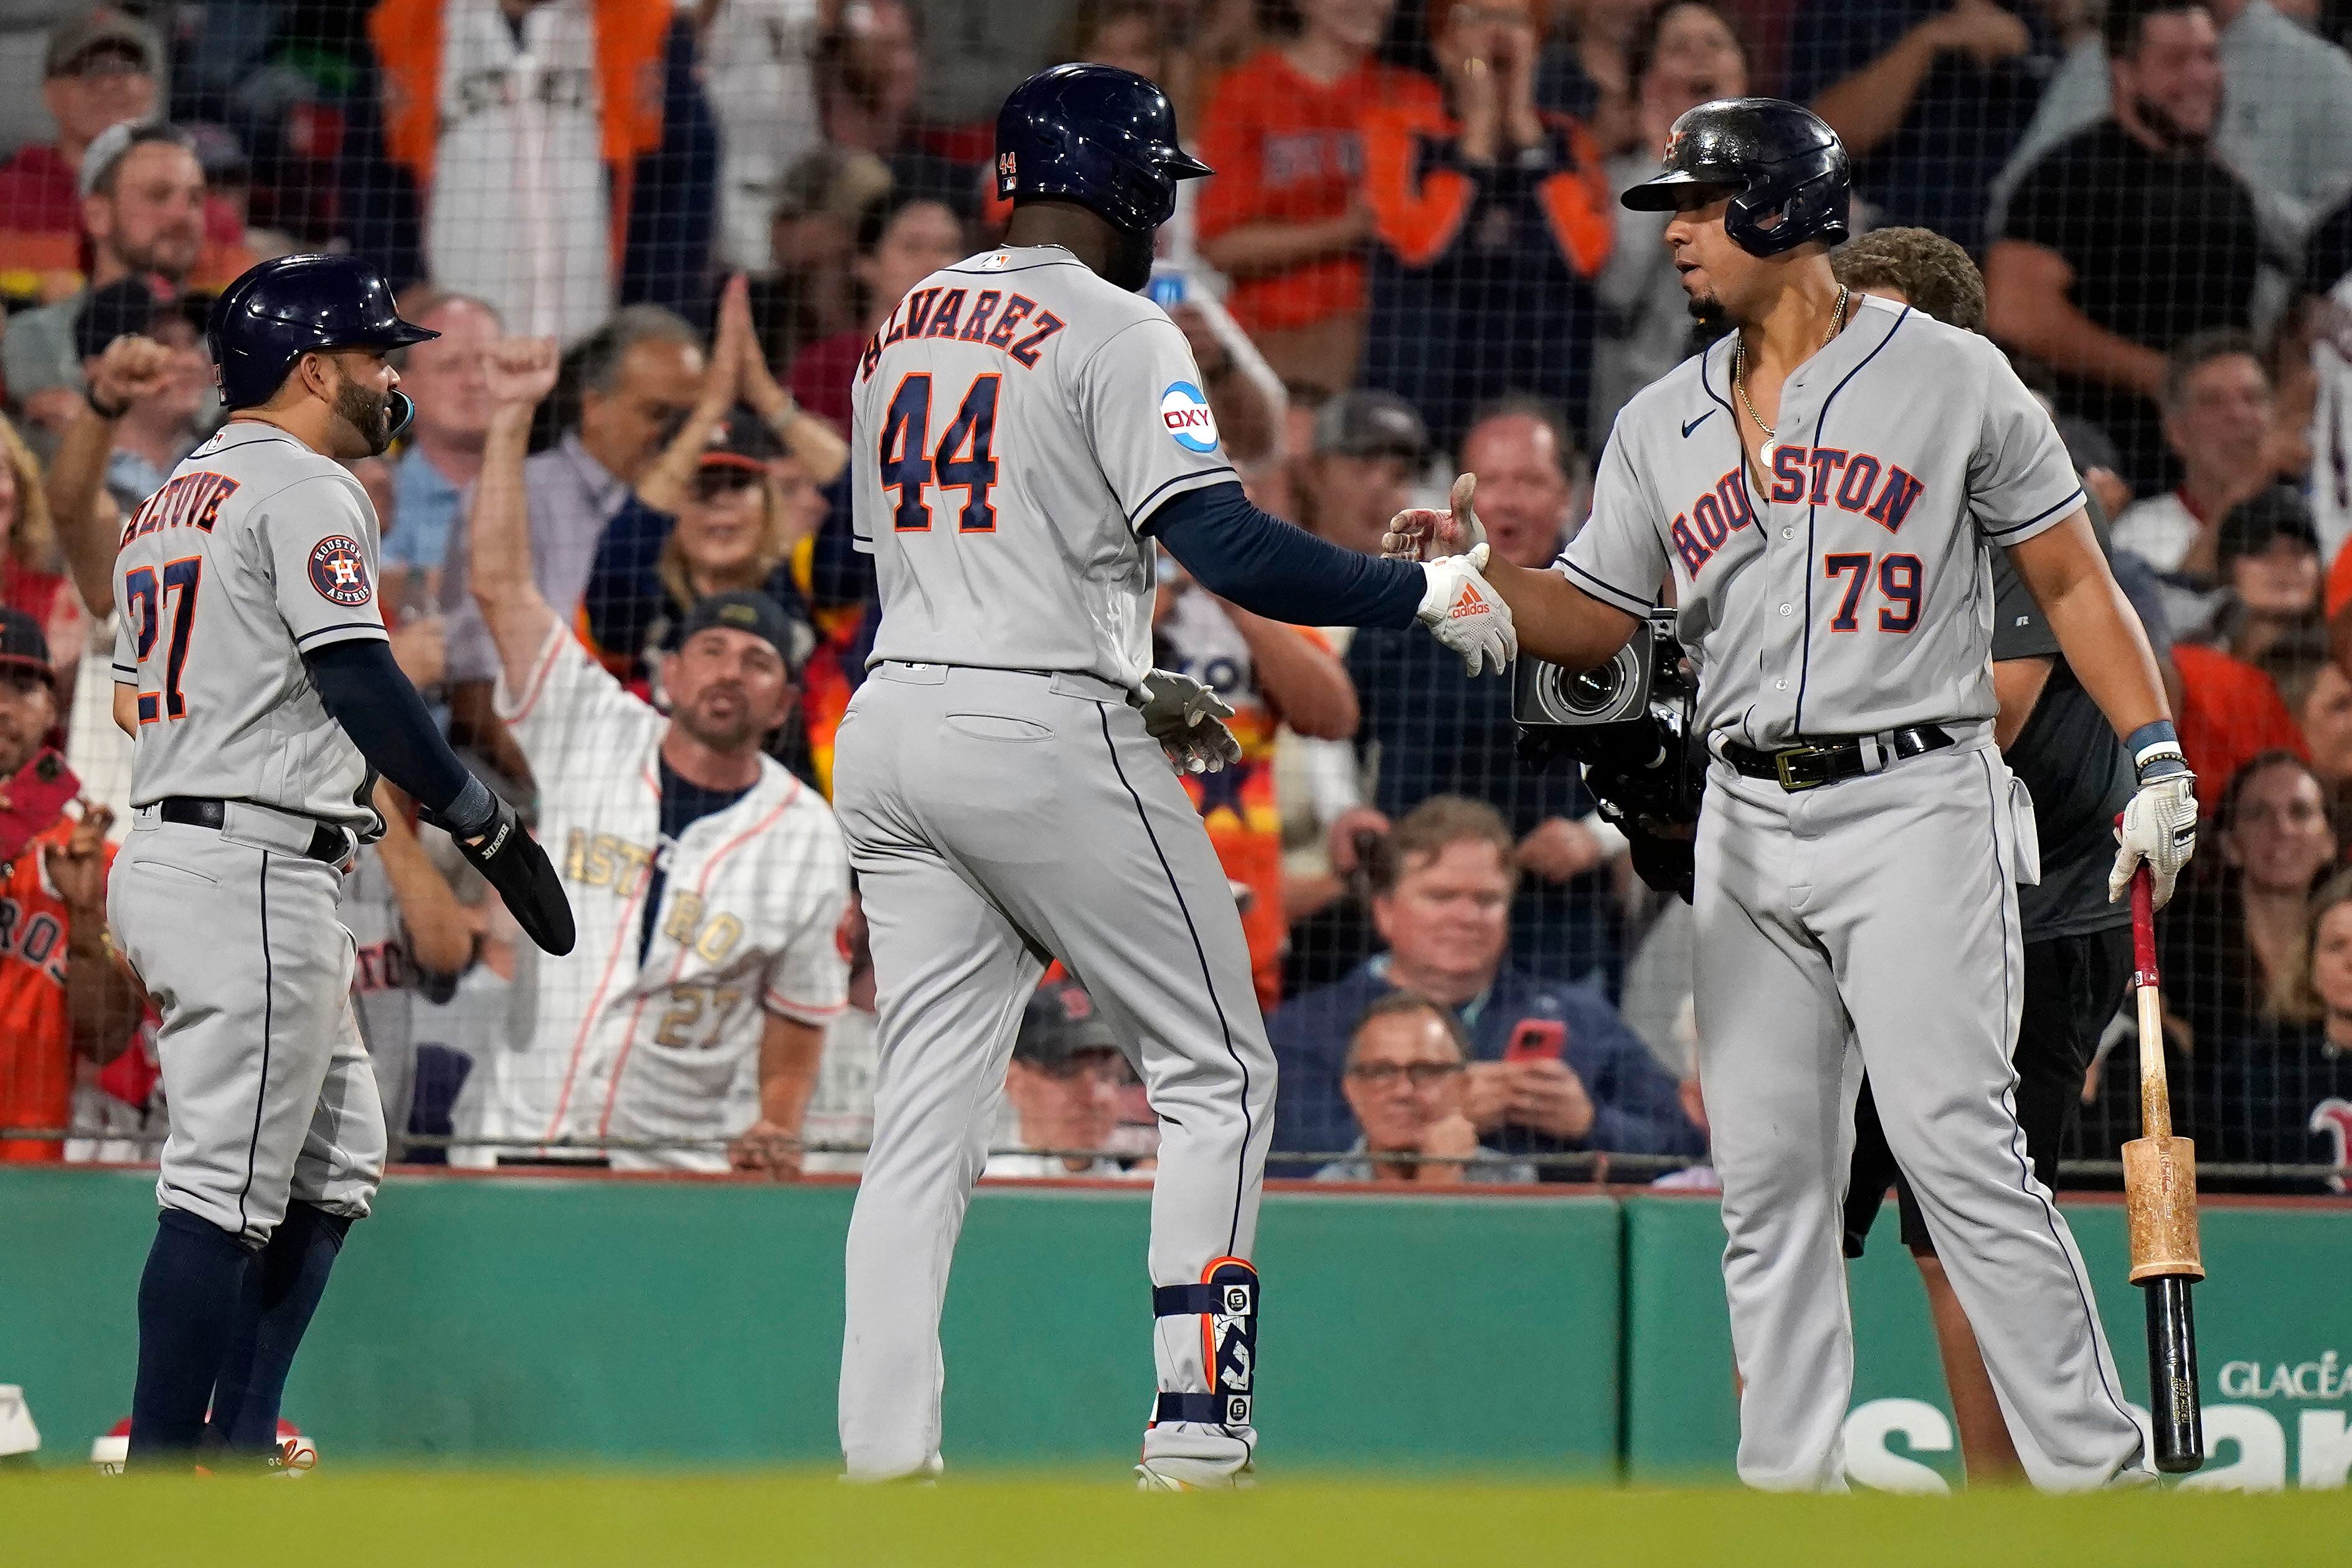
(1739, 383)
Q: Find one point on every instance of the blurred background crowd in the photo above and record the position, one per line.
(1410, 261)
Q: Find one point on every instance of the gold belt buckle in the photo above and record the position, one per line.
(1782, 764)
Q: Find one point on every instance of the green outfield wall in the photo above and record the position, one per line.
(700, 1324)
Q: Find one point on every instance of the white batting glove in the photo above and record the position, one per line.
(1188, 721)
(1462, 611)
(2160, 829)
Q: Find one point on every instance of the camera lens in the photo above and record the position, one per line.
(1591, 691)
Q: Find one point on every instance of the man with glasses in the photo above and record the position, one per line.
(1406, 1079)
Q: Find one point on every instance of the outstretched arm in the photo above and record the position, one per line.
(1556, 620)
(521, 371)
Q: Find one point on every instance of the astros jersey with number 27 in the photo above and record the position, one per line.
(1018, 419)
(257, 551)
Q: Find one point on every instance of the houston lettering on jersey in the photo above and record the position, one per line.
(190, 501)
(1817, 476)
(990, 319)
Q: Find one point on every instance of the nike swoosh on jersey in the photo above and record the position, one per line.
(1696, 423)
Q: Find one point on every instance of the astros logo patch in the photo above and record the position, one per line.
(1184, 410)
(339, 572)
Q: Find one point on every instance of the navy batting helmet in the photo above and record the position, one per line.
(281, 310)
(1784, 169)
(1096, 135)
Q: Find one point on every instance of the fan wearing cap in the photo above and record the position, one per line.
(99, 71)
(1063, 1085)
(63, 990)
(141, 206)
(710, 881)
(2265, 616)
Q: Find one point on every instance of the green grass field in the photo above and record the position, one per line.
(358, 1520)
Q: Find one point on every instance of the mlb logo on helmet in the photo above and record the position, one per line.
(1184, 410)
(1006, 173)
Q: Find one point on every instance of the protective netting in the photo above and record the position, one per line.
(1410, 262)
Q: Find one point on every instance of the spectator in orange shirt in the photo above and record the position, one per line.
(1494, 218)
(1285, 216)
(62, 989)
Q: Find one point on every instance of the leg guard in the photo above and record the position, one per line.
(1226, 1303)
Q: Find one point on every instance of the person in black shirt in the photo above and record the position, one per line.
(1929, 97)
(2130, 235)
(2078, 948)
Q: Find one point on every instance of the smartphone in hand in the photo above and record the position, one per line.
(1537, 1039)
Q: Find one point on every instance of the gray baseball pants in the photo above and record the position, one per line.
(997, 819)
(234, 933)
(1875, 922)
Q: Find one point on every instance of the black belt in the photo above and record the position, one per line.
(331, 845)
(1819, 763)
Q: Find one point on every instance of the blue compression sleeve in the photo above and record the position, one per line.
(366, 693)
(1271, 568)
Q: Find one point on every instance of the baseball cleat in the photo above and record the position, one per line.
(1172, 1475)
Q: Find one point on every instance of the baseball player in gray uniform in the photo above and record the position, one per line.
(1026, 425)
(1822, 490)
(253, 672)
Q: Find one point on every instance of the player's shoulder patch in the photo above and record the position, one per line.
(339, 572)
(1184, 412)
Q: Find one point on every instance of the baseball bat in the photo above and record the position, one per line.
(2160, 1194)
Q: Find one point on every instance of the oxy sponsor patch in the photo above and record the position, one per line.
(1184, 410)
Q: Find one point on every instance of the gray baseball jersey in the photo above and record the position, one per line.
(256, 551)
(1853, 594)
(1016, 418)
(1873, 923)
(1025, 417)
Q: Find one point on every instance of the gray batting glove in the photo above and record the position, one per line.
(2160, 829)
(1188, 721)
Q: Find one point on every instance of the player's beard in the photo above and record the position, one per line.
(1128, 265)
(368, 413)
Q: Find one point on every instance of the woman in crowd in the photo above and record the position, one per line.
(1493, 218)
(1285, 217)
(2235, 952)
(901, 240)
(727, 506)
(2296, 1100)
(1588, 70)
(1684, 53)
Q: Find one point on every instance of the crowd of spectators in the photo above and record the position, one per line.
(1411, 262)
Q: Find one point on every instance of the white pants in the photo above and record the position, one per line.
(1875, 922)
(235, 935)
(996, 819)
